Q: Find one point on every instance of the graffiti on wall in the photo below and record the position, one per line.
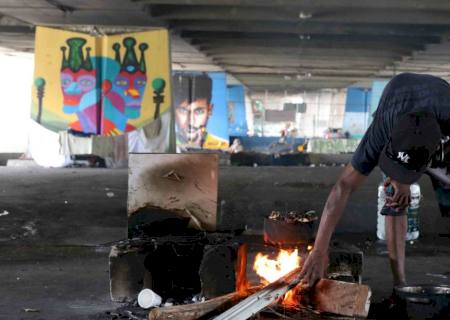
(100, 85)
(200, 105)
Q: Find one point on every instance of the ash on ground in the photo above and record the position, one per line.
(293, 216)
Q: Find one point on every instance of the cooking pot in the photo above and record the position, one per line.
(425, 301)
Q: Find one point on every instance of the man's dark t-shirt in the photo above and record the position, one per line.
(405, 93)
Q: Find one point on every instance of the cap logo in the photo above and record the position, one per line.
(404, 157)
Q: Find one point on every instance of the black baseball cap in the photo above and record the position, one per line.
(414, 139)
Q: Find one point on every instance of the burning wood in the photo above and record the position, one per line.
(196, 310)
(272, 269)
(263, 298)
(281, 277)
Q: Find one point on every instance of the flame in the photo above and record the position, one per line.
(271, 270)
(292, 298)
(241, 274)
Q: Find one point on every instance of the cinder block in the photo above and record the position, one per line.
(346, 263)
(127, 273)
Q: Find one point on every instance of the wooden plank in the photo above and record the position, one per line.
(337, 297)
(342, 298)
(202, 310)
(189, 311)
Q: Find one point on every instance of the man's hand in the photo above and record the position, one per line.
(316, 264)
(314, 268)
(401, 197)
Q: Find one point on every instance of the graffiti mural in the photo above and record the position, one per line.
(200, 110)
(99, 85)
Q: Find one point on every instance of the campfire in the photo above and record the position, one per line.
(270, 270)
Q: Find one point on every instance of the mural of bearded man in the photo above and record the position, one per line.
(192, 100)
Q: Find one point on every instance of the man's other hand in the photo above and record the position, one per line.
(401, 197)
(314, 268)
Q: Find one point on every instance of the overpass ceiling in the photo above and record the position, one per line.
(272, 45)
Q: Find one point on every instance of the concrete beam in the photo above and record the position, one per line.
(368, 72)
(392, 4)
(106, 17)
(310, 28)
(342, 15)
(304, 57)
(382, 39)
(268, 43)
(361, 52)
(300, 63)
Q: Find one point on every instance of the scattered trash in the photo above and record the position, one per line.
(147, 299)
(294, 217)
(31, 310)
(110, 194)
(66, 202)
(4, 213)
(30, 229)
(198, 298)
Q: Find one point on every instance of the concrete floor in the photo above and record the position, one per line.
(54, 243)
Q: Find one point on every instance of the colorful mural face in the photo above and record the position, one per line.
(200, 105)
(78, 85)
(102, 93)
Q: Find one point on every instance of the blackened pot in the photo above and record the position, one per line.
(278, 232)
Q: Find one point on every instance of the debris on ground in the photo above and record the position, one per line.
(30, 229)
(294, 217)
(31, 310)
(4, 213)
(129, 311)
(110, 194)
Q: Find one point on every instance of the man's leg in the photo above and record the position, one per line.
(396, 227)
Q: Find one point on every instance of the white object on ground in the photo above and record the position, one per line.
(147, 299)
(110, 194)
(4, 213)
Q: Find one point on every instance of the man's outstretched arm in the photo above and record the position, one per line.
(315, 265)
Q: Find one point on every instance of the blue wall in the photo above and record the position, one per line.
(377, 91)
(357, 109)
(237, 125)
(218, 123)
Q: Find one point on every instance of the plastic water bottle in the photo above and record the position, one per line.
(412, 213)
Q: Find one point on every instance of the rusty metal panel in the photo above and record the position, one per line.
(185, 184)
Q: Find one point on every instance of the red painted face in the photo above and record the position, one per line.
(75, 84)
(131, 84)
(130, 87)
